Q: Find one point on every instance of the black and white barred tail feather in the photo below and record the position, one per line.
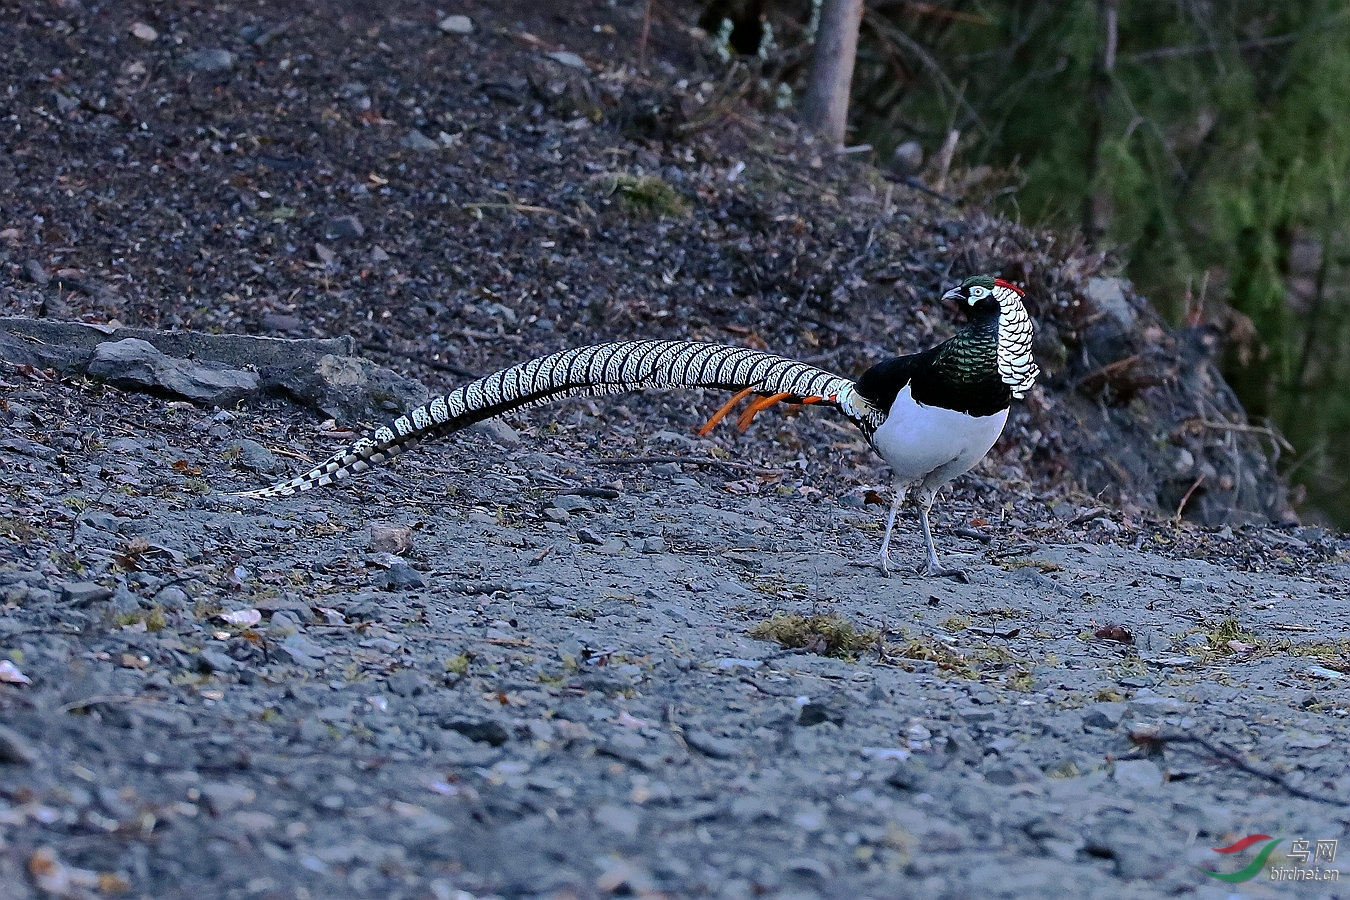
(600, 369)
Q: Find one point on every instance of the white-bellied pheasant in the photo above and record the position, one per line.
(930, 415)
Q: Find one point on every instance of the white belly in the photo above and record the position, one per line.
(933, 443)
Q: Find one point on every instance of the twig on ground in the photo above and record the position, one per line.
(686, 460)
(106, 698)
(1277, 440)
(526, 208)
(764, 690)
(643, 37)
(1185, 498)
(1148, 738)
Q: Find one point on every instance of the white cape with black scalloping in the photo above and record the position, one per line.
(932, 443)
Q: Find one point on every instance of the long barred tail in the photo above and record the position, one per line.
(599, 369)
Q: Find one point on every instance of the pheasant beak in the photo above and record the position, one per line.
(953, 294)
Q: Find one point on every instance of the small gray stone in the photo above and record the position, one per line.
(1010, 773)
(406, 682)
(216, 661)
(353, 389)
(573, 504)
(399, 577)
(1108, 295)
(1152, 705)
(173, 598)
(496, 431)
(622, 819)
(36, 273)
(255, 457)
(418, 142)
(83, 593)
(488, 732)
(654, 545)
(301, 651)
(711, 745)
(135, 364)
(283, 623)
(1177, 662)
(1138, 773)
(907, 159)
(553, 514)
(313, 730)
(568, 58)
(100, 519)
(909, 775)
(817, 713)
(221, 797)
(364, 608)
(1138, 857)
(23, 447)
(344, 227)
(15, 749)
(386, 538)
(733, 589)
(586, 536)
(124, 602)
(975, 714)
(666, 469)
(731, 663)
(456, 25)
(1104, 715)
(210, 60)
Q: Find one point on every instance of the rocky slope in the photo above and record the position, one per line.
(553, 660)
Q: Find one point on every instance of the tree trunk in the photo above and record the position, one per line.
(1097, 211)
(825, 108)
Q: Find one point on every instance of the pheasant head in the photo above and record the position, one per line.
(989, 298)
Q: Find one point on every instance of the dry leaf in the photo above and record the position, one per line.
(55, 877)
(1118, 633)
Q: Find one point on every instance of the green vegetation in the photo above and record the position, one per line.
(825, 635)
(1204, 146)
(648, 196)
(153, 619)
(20, 530)
(1227, 631)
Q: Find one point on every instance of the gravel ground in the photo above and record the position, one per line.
(501, 668)
(523, 663)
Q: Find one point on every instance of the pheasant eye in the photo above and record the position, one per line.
(977, 293)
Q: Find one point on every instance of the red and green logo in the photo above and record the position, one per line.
(1253, 868)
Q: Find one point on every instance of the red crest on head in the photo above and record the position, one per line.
(999, 282)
